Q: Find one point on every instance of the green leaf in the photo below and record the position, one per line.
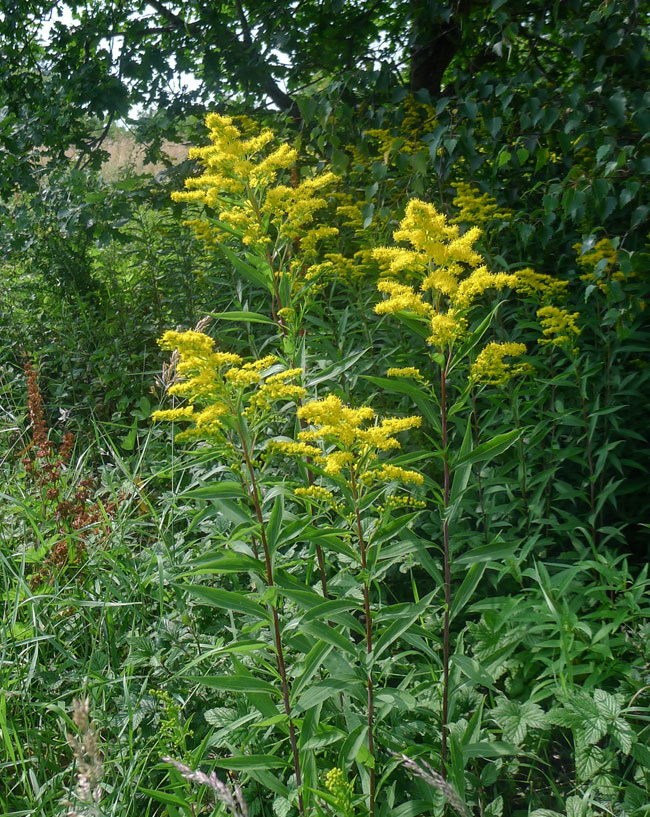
(469, 584)
(221, 490)
(226, 600)
(244, 317)
(228, 563)
(329, 608)
(247, 270)
(244, 763)
(233, 683)
(486, 553)
(399, 626)
(274, 524)
(490, 449)
(167, 798)
(417, 393)
(489, 749)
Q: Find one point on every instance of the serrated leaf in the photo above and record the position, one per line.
(589, 759)
(607, 704)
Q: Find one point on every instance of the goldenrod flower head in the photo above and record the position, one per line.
(242, 377)
(406, 371)
(393, 473)
(478, 282)
(171, 415)
(334, 462)
(603, 249)
(490, 367)
(402, 298)
(294, 449)
(538, 285)
(476, 207)
(316, 492)
(558, 326)
(447, 328)
(222, 384)
(340, 789)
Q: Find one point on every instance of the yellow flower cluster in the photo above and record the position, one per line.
(340, 788)
(291, 209)
(393, 473)
(451, 274)
(604, 249)
(539, 286)
(316, 492)
(445, 275)
(476, 207)
(218, 384)
(406, 371)
(490, 366)
(240, 182)
(358, 437)
(404, 502)
(558, 326)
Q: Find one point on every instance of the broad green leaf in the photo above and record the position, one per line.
(466, 590)
(219, 490)
(329, 608)
(226, 600)
(274, 524)
(486, 553)
(247, 270)
(243, 763)
(399, 626)
(234, 683)
(228, 563)
(244, 317)
(494, 748)
(486, 451)
(167, 798)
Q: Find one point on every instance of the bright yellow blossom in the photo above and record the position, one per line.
(558, 326)
(393, 473)
(490, 367)
(406, 371)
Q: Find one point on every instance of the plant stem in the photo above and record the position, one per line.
(366, 607)
(254, 492)
(447, 567)
(590, 458)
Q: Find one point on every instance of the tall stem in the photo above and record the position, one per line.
(590, 457)
(447, 568)
(366, 607)
(276, 622)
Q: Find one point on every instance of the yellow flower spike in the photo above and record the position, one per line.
(447, 328)
(294, 449)
(401, 298)
(490, 367)
(538, 285)
(406, 371)
(171, 415)
(478, 282)
(558, 326)
(476, 207)
(316, 492)
(333, 463)
(393, 473)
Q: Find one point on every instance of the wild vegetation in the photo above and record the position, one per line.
(324, 454)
